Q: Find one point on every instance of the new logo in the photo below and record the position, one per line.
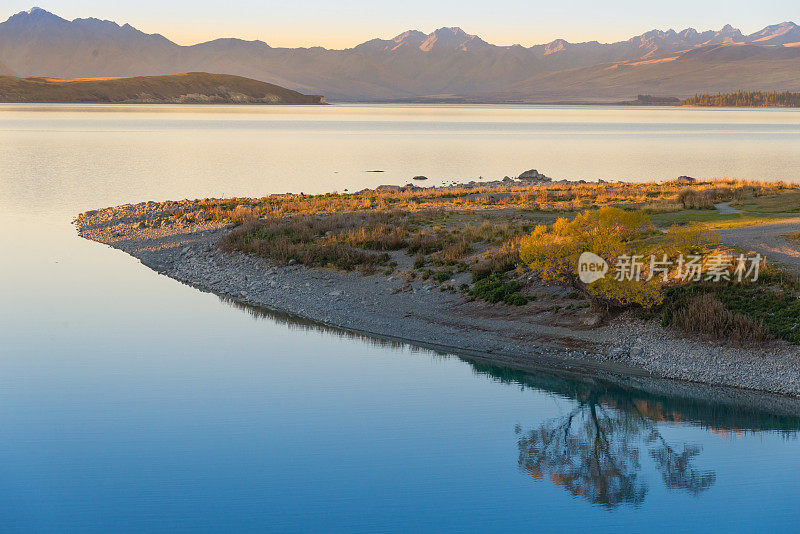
(591, 267)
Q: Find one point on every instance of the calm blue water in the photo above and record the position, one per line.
(129, 402)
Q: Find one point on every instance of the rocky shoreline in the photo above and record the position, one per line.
(395, 308)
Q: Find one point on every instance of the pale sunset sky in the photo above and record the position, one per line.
(345, 23)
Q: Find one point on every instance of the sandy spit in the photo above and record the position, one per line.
(418, 312)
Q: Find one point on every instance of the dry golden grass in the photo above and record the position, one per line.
(707, 315)
(544, 198)
(349, 240)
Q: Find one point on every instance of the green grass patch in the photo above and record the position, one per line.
(683, 217)
(786, 202)
(713, 219)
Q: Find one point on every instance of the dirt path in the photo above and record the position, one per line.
(769, 241)
(725, 207)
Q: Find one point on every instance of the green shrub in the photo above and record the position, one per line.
(495, 288)
(443, 276)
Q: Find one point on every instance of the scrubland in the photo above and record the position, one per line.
(500, 233)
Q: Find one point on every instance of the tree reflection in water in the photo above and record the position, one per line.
(595, 452)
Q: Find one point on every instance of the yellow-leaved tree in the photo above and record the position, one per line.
(610, 233)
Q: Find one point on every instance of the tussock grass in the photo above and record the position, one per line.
(285, 244)
(498, 260)
(706, 314)
(334, 241)
(362, 240)
(694, 199)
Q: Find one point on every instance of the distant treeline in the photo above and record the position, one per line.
(755, 99)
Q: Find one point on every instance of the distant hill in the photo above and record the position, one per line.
(187, 88)
(751, 99)
(446, 64)
(5, 71)
(713, 68)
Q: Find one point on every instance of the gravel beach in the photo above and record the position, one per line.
(419, 312)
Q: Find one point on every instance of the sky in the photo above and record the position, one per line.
(346, 23)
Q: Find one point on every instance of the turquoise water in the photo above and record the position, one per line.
(130, 402)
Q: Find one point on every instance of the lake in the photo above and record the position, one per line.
(130, 402)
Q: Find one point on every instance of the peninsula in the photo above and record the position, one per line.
(487, 268)
(185, 88)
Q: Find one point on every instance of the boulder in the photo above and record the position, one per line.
(533, 175)
(593, 320)
(388, 188)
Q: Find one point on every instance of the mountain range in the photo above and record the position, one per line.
(447, 64)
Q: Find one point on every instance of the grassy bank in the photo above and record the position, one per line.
(467, 238)
(741, 312)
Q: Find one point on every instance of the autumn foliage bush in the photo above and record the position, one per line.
(611, 233)
(608, 232)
